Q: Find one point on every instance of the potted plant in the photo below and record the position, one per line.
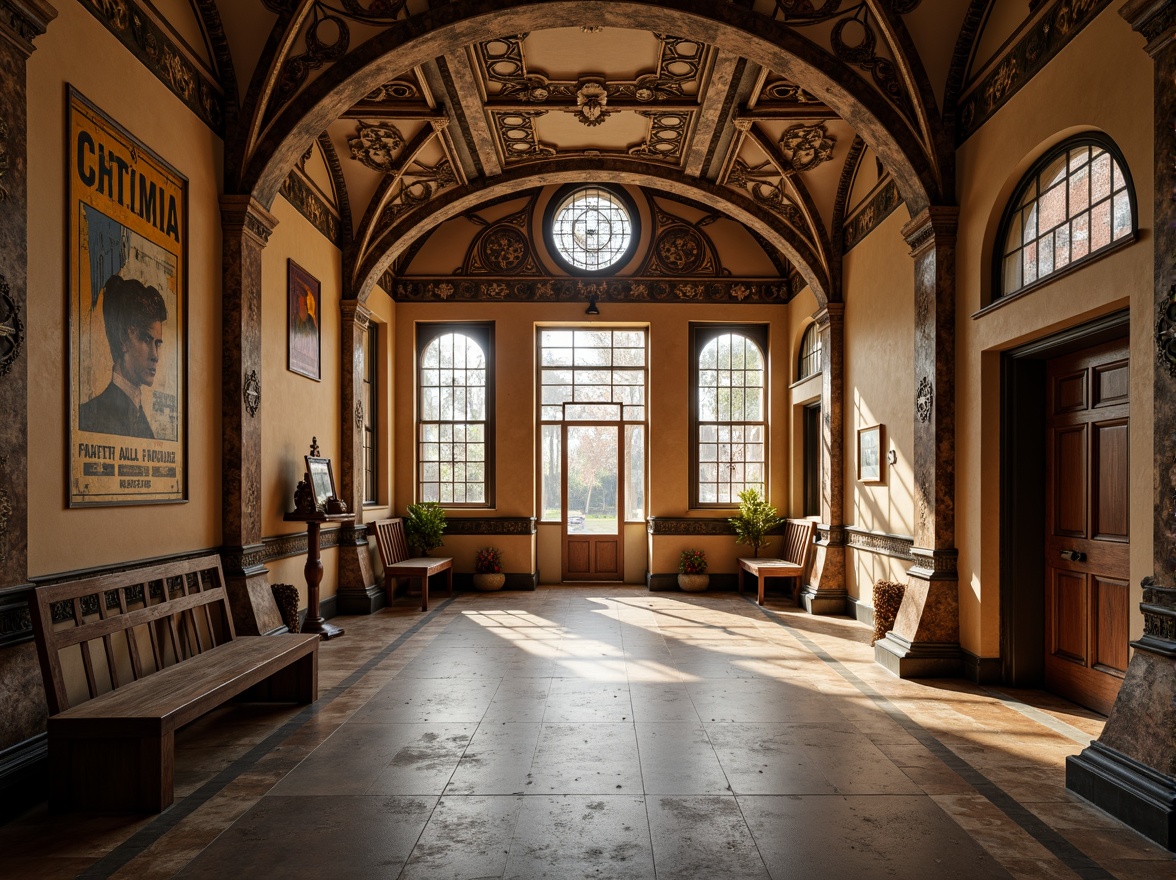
(692, 576)
(756, 518)
(423, 526)
(488, 573)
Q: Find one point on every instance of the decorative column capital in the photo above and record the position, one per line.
(829, 314)
(1154, 19)
(244, 215)
(355, 312)
(935, 224)
(22, 21)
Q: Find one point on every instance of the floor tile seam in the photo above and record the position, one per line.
(1068, 853)
(148, 835)
(1055, 724)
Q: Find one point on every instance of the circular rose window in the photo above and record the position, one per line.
(591, 228)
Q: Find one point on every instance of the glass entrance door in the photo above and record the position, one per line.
(593, 502)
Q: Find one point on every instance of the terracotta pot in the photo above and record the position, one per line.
(489, 582)
(693, 583)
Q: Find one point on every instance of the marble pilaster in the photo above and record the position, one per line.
(925, 640)
(1130, 770)
(825, 593)
(358, 592)
(246, 227)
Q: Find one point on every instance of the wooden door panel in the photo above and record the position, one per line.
(1111, 602)
(1086, 546)
(606, 557)
(1069, 617)
(1110, 477)
(578, 556)
(1069, 477)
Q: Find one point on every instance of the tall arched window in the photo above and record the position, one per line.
(808, 362)
(728, 412)
(455, 422)
(1076, 203)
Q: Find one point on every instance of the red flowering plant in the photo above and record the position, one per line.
(488, 561)
(692, 562)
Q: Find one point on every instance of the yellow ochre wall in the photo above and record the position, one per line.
(1062, 100)
(61, 539)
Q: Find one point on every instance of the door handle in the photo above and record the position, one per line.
(1074, 555)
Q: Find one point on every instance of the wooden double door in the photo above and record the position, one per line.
(1086, 536)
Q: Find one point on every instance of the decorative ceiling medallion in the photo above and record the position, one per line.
(590, 104)
(11, 329)
(680, 250)
(252, 393)
(375, 145)
(1166, 332)
(502, 250)
(807, 146)
(924, 399)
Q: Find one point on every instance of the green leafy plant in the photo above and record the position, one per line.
(692, 562)
(488, 561)
(756, 518)
(423, 526)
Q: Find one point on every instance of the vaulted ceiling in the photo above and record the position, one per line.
(389, 117)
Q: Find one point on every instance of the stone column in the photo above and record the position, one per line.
(358, 592)
(1130, 771)
(21, 21)
(925, 641)
(825, 594)
(245, 227)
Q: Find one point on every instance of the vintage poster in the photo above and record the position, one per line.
(128, 259)
(304, 348)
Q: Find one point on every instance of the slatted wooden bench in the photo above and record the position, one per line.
(129, 658)
(798, 543)
(393, 546)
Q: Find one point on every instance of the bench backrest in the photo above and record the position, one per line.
(116, 628)
(798, 541)
(391, 541)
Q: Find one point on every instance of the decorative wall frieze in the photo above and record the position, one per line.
(160, 55)
(1165, 333)
(1036, 47)
(252, 393)
(936, 564)
(490, 525)
(724, 290)
(865, 221)
(695, 527)
(11, 329)
(299, 193)
(830, 536)
(896, 546)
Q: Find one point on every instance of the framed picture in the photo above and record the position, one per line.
(128, 300)
(322, 480)
(304, 323)
(869, 443)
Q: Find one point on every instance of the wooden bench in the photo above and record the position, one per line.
(393, 546)
(798, 543)
(129, 658)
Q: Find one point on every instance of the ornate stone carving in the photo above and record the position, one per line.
(806, 146)
(416, 185)
(160, 55)
(924, 399)
(765, 184)
(787, 92)
(591, 103)
(666, 137)
(390, 92)
(716, 290)
(680, 250)
(1166, 332)
(375, 145)
(896, 546)
(252, 393)
(687, 526)
(516, 132)
(11, 329)
(16, 623)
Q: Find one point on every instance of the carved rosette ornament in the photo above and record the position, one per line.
(591, 102)
(1166, 333)
(924, 400)
(375, 145)
(807, 146)
(11, 329)
(252, 393)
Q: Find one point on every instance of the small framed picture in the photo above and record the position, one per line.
(322, 480)
(304, 309)
(870, 454)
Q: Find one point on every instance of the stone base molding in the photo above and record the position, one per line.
(365, 601)
(1128, 771)
(908, 659)
(825, 591)
(255, 612)
(925, 641)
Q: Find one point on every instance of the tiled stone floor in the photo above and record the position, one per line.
(612, 733)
